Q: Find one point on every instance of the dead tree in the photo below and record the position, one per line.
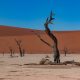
(53, 37)
(19, 44)
(23, 52)
(65, 51)
(3, 53)
(43, 40)
(11, 51)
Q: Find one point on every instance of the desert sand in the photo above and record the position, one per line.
(16, 69)
(32, 44)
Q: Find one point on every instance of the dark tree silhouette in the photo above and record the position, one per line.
(19, 44)
(11, 51)
(66, 51)
(23, 52)
(3, 53)
(53, 37)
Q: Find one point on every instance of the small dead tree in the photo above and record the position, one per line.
(53, 37)
(23, 52)
(66, 50)
(11, 51)
(19, 44)
(3, 53)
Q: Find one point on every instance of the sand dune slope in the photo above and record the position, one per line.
(32, 44)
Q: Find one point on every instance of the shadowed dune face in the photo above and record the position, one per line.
(32, 44)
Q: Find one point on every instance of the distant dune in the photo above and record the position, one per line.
(15, 31)
(32, 44)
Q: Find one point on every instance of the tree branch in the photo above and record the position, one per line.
(47, 30)
(43, 40)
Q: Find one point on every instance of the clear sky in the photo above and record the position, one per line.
(33, 13)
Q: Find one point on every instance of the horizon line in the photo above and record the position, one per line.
(37, 29)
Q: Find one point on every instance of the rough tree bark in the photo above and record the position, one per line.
(53, 37)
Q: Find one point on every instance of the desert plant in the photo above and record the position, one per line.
(45, 61)
(11, 51)
(66, 50)
(23, 51)
(53, 37)
(3, 53)
(19, 44)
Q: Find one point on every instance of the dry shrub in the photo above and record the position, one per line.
(45, 61)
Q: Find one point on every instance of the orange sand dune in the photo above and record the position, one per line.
(14, 31)
(32, 44)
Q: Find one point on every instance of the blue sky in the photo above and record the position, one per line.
(33, 13)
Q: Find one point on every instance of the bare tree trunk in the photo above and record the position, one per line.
(23, 52)
(11, 51)
(20, 47)
(20, 50)
(55, 45)
(3, 53)
(49, 33)
(66, 50)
